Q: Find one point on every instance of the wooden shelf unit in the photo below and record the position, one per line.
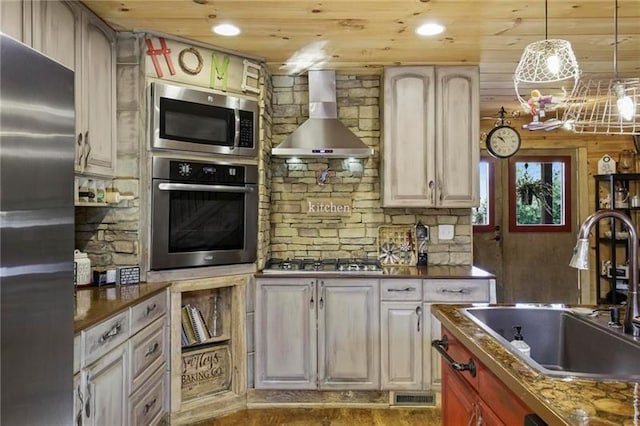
(231, 291)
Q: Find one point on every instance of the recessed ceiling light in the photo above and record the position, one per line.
(228, 30)
(429, 29)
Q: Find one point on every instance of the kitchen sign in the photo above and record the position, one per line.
(327, 206)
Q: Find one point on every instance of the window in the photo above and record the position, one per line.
(539, 194)
(483, 216)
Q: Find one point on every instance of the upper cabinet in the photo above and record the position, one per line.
(431, 136)
(15, 19)
(72, 35)
(98, 97)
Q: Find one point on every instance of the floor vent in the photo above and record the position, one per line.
(414, 399)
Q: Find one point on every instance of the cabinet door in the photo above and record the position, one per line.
(78, 400)
(57, 32)
(457, 137)
(98, 92)
(408, 167)
(15, 19)
(106, 389)
(401, 345)
(459, 401)
(348, 334)
(285, 334)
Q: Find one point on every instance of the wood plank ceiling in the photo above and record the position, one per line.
(360, 36)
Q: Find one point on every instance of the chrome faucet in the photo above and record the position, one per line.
(580, 260)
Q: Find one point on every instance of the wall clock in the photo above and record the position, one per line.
(503, 140)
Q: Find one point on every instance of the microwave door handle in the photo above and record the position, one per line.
(204, 188)
(236, 137)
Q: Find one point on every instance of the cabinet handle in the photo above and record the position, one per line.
(313, 290)
(79, 414)
(432, 193)
(419, 314)
(148, 405)
(152, 350)
(87, 405)
(80, 149)
(113, 331)
(442, 346)
(460, 291)
(150, 309)
(321, 302)
(406, 289)
(440, 190)
(86, 142)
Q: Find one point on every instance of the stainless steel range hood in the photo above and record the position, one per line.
(322, 135)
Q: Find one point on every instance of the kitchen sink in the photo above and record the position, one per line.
(563, 343)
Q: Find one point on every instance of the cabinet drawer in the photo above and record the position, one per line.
(98, 340)
(147, 350)
(456, 290)
(399, 289)
(147, 403)
(146, 312)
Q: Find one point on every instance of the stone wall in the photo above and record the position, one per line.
(110, 235)
(264, 168)
(296, 233)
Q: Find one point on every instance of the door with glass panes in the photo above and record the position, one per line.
(525, 228)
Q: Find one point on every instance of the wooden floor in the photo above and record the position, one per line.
(329, 417)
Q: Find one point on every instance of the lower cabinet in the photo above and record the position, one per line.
(106, 389)
(448, 291)
(480, 399)
(122, 367)
(401, 330)
(317, 334)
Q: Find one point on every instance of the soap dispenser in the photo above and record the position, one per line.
(519, 343)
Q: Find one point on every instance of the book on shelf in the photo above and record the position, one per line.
(184, 339)
(198, 324)
(187, 327)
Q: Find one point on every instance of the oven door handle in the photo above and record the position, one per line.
(204, 188)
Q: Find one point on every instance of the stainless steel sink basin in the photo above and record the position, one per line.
(563, 343)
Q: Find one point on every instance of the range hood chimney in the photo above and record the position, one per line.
(322, 135)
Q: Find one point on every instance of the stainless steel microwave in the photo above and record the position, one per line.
(192, 120)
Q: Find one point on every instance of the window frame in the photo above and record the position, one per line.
(491, 197)
(566, 160)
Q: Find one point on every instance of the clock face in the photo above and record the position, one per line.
(503, 141)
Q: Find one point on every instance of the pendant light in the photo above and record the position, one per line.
(606, 106)
(546, 61)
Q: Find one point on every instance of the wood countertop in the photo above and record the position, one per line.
(399, 271)
(95, 304)
(557, 400)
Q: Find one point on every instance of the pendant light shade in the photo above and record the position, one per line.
(606, 106)
(547, 61)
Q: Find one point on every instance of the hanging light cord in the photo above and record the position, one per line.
(545, 19)
(615, 40)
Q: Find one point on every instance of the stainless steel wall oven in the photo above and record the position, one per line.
(194, 120)
(203, 213)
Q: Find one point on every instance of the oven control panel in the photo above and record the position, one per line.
(206, 172)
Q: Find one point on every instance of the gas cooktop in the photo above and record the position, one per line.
(358, 265)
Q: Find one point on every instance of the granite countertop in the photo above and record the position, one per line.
(95, 304)
(398, 271)
(558, 401)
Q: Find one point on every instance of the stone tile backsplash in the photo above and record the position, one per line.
(294, 232)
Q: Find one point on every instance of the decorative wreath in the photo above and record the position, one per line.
(184, 66)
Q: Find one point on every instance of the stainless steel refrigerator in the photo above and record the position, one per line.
(37, 119)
